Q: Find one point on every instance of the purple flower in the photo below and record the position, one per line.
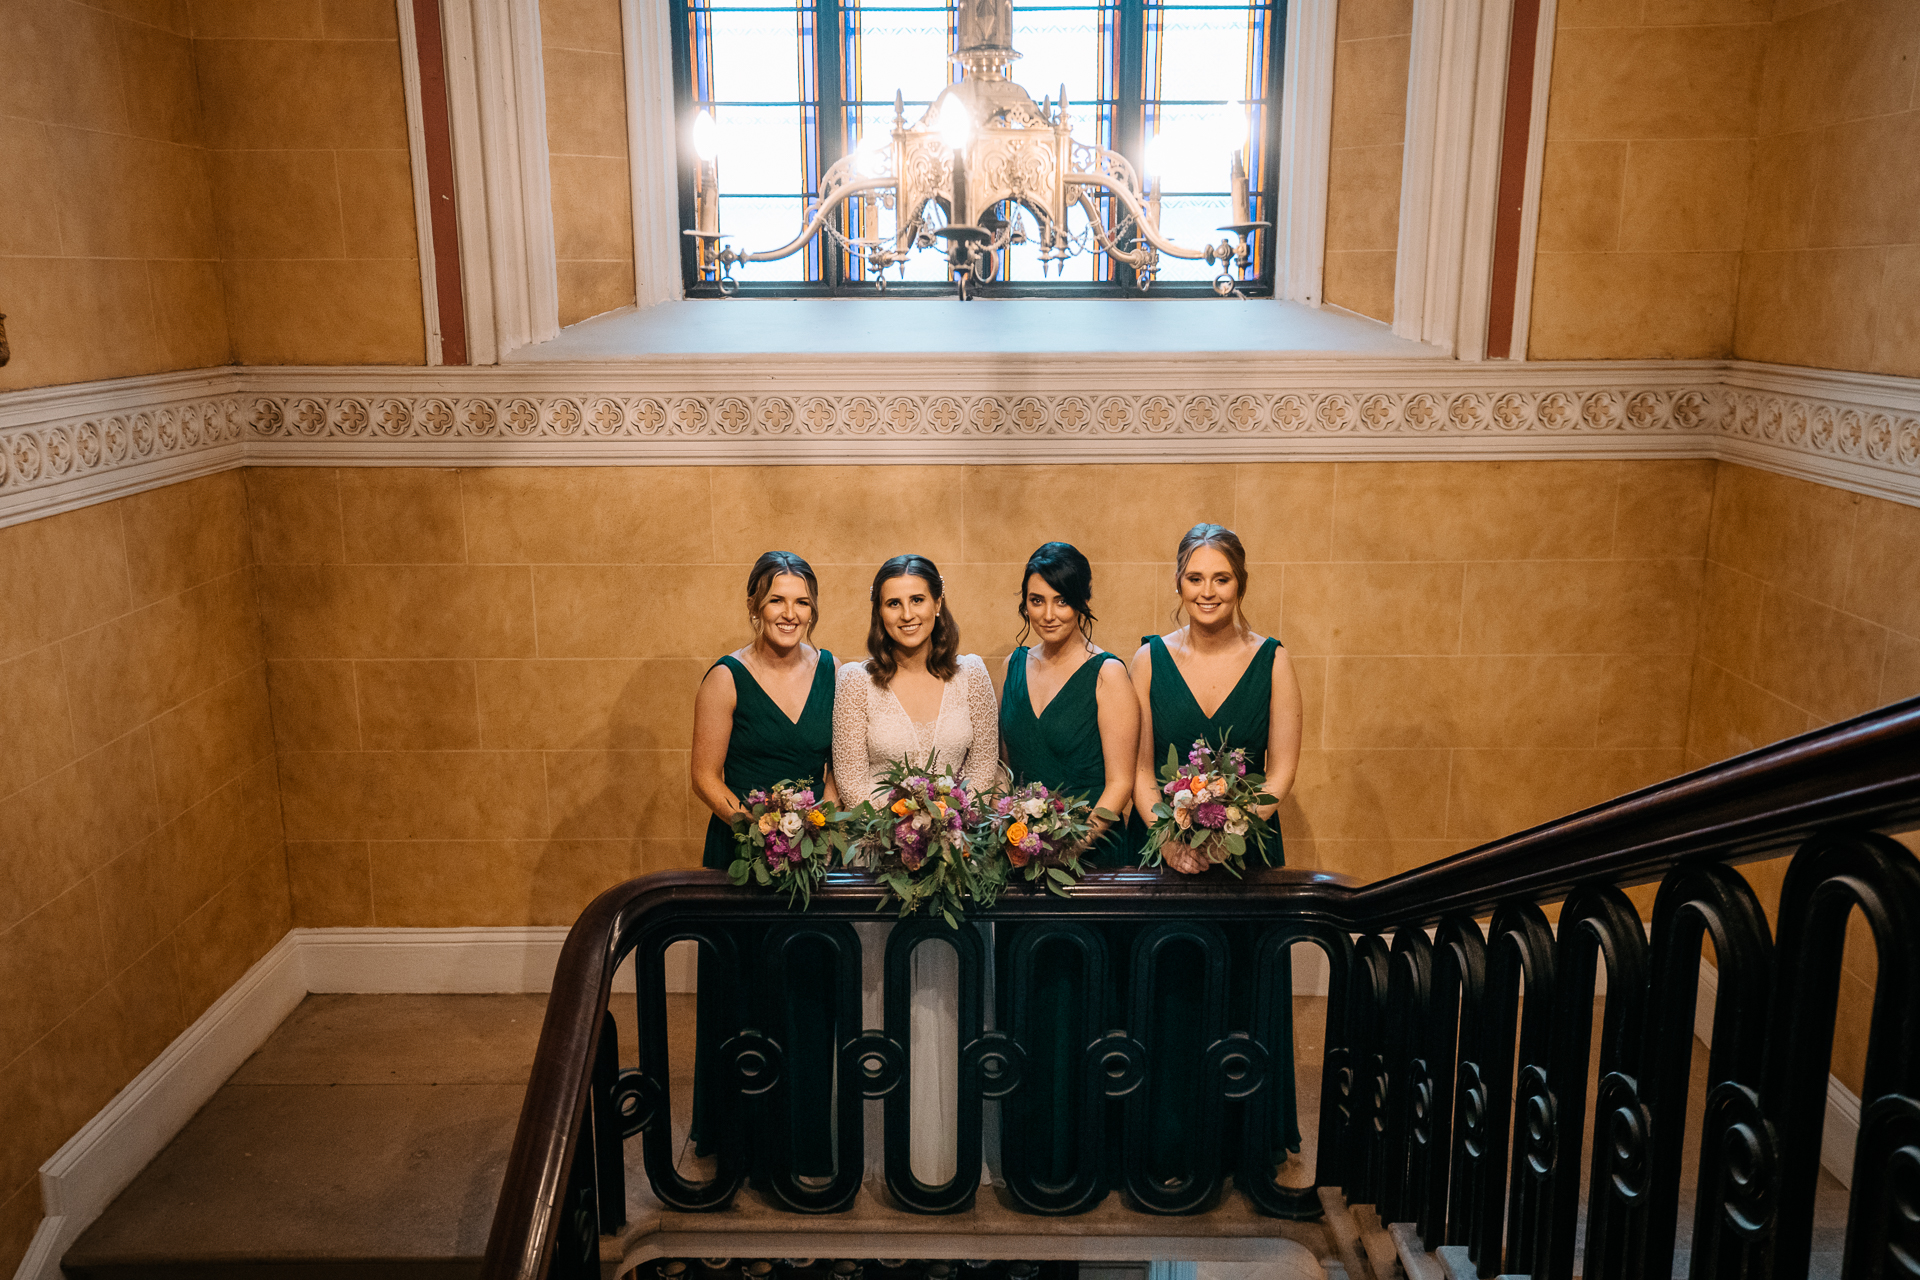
(1211, 815)
(1241, 766)
(1031, 845)
(955, 822)
(804, 800)
(907, 837)
(756, 797)
(1039, 789)
(1003, 805)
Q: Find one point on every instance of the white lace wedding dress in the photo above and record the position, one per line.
(871, 730)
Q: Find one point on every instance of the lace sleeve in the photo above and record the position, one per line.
(983, 758)
(851, 772)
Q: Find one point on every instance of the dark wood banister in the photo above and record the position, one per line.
(1863, 773)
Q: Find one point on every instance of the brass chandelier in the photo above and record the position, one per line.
(982, 142)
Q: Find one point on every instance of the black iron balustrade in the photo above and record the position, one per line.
(1454, 1083)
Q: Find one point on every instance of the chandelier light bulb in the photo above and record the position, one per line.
(706, 137)
(956, 127)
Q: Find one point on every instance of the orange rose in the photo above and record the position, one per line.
(1016, 833)
(902, 807)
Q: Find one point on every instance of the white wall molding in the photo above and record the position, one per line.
(72, 446)
(652, 154)
(497, 113)
(1450, 172)
(1306, 135)
(417, 165)
(1530, 186)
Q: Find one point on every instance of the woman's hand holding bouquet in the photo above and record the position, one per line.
(1209, 816)
(915, 840)
(787, 838)
(1030, 830)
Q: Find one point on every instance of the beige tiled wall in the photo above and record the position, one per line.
(483, 710)
(1811, 615)
(1831, 272)
(141, 864)
(587, 146)
(306, 132)
(1374, 39)
(107, 247)
(1643, 196)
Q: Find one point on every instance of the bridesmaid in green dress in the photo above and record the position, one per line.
(764, 714)
(1068, 719)
(1216, 660)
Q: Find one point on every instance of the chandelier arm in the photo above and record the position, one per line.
(820, 215)
(1147, 230)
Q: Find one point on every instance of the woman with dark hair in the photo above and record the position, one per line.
(918, 698)
(1068, 717)
(764, 714)
(1215, 660)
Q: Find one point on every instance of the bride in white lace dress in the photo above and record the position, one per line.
(917, 697)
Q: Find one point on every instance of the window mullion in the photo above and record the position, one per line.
(1130, 37)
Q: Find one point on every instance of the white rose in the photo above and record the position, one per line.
(945, 782)
(790, 824)
(1236, 826)
(1235, 813)
(1035, 808)
(1182, 799)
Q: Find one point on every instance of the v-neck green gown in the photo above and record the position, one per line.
(1242, 720)
(766, 747)
(1060, 747)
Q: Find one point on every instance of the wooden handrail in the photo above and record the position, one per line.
(1861, 774)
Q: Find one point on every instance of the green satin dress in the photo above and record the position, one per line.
(1060, 748)
(1242, 720)
(766, 747)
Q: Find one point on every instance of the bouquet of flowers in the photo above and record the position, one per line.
(915, 841)
(787, 839)
(1030, 830)
(1208, 816)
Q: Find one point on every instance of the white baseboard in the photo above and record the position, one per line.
(81, 1179)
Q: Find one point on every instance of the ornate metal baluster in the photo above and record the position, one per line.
(1641, 1112)
(722, 1010)
(978, 1054)
(1273, 966)
(1519, 957)
(1408, 1138)
(1825, 881)
(812, 998)
(1459, 997)
(1194, 1181)
(1597, 921)
(1366, 1054)
(1034, 955)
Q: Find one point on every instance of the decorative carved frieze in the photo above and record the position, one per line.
(857, 415)
(64, 447)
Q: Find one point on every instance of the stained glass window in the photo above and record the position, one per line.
(790, 87)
